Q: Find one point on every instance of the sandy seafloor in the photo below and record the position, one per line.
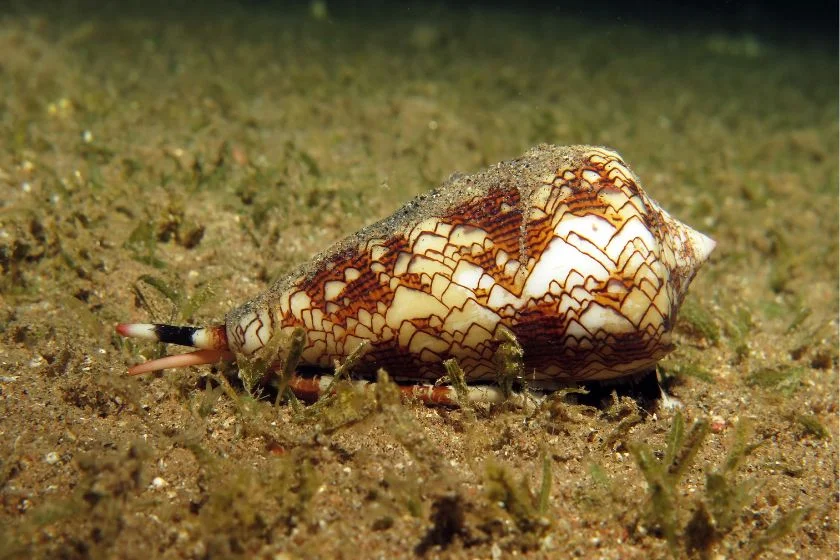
(207, 152)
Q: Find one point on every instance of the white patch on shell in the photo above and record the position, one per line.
(467, 274)
(632, 228)
(429, 242)
(412, 304)
(472, 314)
(465, 236)
(377, 252)
(591, 176)
(558, 262)
(599, 318)
(298, 302)
(333, 289)
(593, 228)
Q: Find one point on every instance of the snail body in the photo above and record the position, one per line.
(561, 246)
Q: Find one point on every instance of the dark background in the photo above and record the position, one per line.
(798, 20)
(817, 19)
